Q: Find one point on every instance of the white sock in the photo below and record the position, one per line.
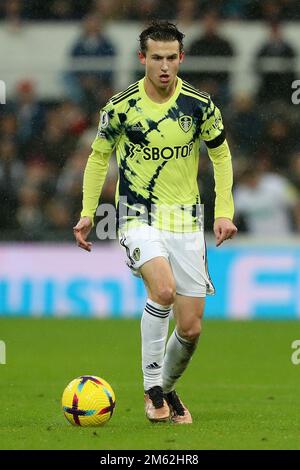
(154, 330)
(178, 354)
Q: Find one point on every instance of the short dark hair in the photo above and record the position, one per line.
(160, 31)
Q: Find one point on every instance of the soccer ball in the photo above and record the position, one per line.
(88, 401)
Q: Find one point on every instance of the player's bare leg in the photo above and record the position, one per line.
(160, 285)
(188, 312)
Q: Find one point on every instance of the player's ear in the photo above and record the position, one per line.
(181, 56)
(142, 58)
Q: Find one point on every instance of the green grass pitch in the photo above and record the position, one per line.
(241, 386)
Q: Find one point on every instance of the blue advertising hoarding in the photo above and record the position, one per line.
(61, 280)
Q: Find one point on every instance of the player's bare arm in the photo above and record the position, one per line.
(224, 229)
(81, 232)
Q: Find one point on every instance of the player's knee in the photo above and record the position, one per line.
(165, 295)
(191, 333)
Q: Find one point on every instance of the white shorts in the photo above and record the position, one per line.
(186, 253)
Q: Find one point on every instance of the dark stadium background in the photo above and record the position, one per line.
(60, 62)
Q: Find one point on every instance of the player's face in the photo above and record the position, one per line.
(162, 61)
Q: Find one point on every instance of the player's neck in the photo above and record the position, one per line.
(159, 95)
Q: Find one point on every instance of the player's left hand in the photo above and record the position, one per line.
(224, 229)
(81, 231)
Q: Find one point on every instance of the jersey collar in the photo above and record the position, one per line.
(166, 104)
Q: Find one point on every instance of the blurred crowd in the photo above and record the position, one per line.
(44, 145)
(141, 10)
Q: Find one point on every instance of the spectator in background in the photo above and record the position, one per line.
(267, 203)
(89, 134)
(279, 142)
(275, 64)
(294, 170)
(11, 168)
(11, 175)
(29, 114)
(73, 117)
(92, 44)
(56, 144)
(61, 10)
(268, 10)
(30, 215)
(148, 10)
(8, 126)
(234, 9)
(64, 123)
(271, 10)
(57, 219)
(212, 44)
(13, 13)
(38, 175)
(109, 10)
(35, 190)
(186, 12)
(64, 10)
(69, 183)
(245, 125)
(291, 9)
(128, 9)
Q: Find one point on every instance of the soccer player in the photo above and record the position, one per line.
(156, 126)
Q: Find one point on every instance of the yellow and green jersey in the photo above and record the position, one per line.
(157, 148)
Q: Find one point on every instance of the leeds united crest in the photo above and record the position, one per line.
(185, 122)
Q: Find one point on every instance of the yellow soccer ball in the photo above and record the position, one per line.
(88, 401)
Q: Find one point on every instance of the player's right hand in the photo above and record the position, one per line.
(81, 231)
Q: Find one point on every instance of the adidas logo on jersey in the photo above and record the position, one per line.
(138, 127)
